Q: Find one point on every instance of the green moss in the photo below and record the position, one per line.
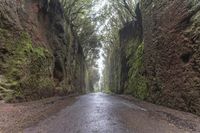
(26, 69)
(137, 83)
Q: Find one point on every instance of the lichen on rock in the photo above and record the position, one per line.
(25, 69)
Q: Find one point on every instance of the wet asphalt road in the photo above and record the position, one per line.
(102, 113)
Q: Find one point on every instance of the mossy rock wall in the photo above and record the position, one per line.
(39, 56)
(25, 69)
(137, 82)
(125, 71)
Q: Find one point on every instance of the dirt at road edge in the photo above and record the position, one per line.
(16, 117)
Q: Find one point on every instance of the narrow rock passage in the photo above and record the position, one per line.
(102, 113)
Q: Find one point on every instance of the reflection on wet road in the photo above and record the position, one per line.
(102, 113)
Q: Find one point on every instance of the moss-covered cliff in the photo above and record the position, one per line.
(39, 55)
(126, 71)
(157, 58)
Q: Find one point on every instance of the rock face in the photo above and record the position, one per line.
(172, 52)
(126, 74)
(39, 54)
(131, 45)
(158, 58)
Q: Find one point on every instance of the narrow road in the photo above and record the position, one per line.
(102, 113)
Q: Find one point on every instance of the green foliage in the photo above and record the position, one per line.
(81, 29)
(137, 83)
(123, 11)
(82, 25)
